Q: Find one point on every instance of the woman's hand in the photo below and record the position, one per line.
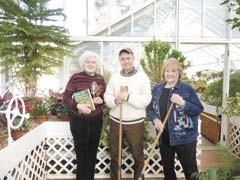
(158, 125)
(84, 108)
(97, 100)
(177, 99)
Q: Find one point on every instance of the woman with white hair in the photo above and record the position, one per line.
(86, 126)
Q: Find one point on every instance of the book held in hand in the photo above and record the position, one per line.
(84, 97)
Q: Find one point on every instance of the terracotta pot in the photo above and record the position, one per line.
(41, 118)
(17, 134)
(64, 118)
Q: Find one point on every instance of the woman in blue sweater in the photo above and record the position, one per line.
(179, 136)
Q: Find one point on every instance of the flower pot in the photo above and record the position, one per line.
(41, 118)
(17, 134)
(64, 117)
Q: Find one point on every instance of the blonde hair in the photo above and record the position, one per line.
(173, 62)
(86, 55)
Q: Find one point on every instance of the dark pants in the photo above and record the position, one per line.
(186, 154)
(134, 136)
(86, 135)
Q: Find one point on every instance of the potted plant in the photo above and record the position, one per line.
(56, 105)
(40, 110)
(62, 112)
(229, 167)
(25, 127)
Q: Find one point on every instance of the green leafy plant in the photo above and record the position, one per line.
(233, 106)
(235, 7)
(229, 168)
(31, 43)
(24, 118)
(26, 125)
(213, 92)
(156, 52)
(40, 107)
(61, 110)
(56, 105)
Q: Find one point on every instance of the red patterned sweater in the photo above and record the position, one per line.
(81, 81)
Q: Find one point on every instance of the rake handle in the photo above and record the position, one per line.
(155, 143)
(120, 144)
(122, 89)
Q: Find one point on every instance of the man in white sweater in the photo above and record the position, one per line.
(134, 100)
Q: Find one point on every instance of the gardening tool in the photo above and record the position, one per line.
(122, 89)
(155, 143)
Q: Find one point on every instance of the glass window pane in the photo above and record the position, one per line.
(190, 18)
(143, 22)
(122, 28)
(165, 18)
(76, 19)
(203, 57)
(214, 19)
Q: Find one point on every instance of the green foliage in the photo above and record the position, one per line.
(156, 52)
(233, 106)
(40, 107)
(213, 92)
(30, 44)
(105, 130)
(229, 168)
(26, 125)
(235, 7)
(61, 109)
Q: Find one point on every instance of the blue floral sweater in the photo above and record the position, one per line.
(182, 122)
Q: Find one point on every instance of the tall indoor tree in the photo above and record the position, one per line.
(31, 42)
(156, 52)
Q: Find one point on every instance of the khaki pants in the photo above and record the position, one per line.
(134, 136)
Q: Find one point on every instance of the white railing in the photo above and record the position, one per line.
(25, 158)
(47, 152)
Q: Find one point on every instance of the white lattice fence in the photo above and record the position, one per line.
(25, 158)
(234, 135)
(61, 160)
(47, 152)
(31, 167)
(61, 157)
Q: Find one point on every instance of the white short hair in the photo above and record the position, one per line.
(86, 55)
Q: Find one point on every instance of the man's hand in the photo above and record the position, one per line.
(121, 97)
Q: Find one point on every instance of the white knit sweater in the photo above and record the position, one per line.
(139, 90)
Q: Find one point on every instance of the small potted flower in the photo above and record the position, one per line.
(25, 127)
(62, 112)
(57, 106)
(40, 110)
